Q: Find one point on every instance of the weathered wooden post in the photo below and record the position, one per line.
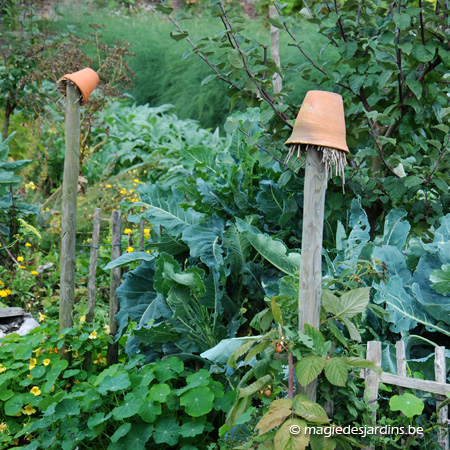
(76, 87)
(275, 50)
(320, 132)
(112, 355)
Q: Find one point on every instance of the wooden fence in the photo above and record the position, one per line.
(438, 387)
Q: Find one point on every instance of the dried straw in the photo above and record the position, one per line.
(61, 85)
(331, 157)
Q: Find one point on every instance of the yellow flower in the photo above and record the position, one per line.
(75, 354)
(107, 329)
(27, 244)
(33, 363)
(46, 362)
(130, 249)
(134, 200)
(93, 335)
(1, 282)
(29, 376)
(42, 317)
(76, 382)
(52, 389)
(34, 272)
(38, 351)
(2, 368)
(3, 293)
(136, 181)
(35, 390)
(21, 267)
(3, 427)
(108, 186)
(20, 258)
(123, 191)
(127, 231)
(101, 359)
(28, 410)
(8, 291)
(147, 251)
(83, 318)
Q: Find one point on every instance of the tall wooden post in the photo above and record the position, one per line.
(275, 50)
(116, 235)
(69, 209)
(310, 289)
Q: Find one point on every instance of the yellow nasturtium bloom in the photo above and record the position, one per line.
(35, 390)
(33, 363)
(2, 368)
(127, 231)
(3, 427)
(130, 249)
(93, 335)
(20, 258)
(34, 272)
(27, 244)
(42, 317)
(28, 410)
(46, 362)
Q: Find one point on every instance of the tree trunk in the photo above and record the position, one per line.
(9, 109)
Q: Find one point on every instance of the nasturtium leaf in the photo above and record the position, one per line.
(336, 371)
(37, 371)
(191, 429)
(114, 383)
(287, 437)
(97, 419)
(128, 408)
(158, 393)
(120, 432)
(166, 431)
(136, 438)
(407, 403)
(67, 407)
(309, 368)
(198, 401)
(6, 394)
(14, 405)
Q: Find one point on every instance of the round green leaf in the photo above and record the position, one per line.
(158, 393)
(197, 401)
(407, 403)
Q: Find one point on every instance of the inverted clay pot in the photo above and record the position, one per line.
(320, 121)
(86, 80)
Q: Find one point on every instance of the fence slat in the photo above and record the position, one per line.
(372, 380)
(440, 375)
(401, 361)
(116, 234)
(141, 235)
(93, 265)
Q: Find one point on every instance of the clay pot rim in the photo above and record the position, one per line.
(85, 79)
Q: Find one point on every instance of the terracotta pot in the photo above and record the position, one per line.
(320, 121)
(86, 81)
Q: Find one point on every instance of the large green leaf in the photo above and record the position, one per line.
(404, 311)
(198, 401)
(441, 279)
(135, 439)
(309, 368)
(237, 248)
(336, 371)
(278, 411)
(128, 408)
(159, 333)
(205, 241)
(255, 386)
(273, 250)
(128, 258)
(396, 229)
(167, 431)
(353, 302)
(163, 208)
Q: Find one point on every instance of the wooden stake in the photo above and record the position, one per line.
(372, 380)
(69, 210)
(311, 262)
(116, 235)
(275, 50)
(440, 372)
(93, 265)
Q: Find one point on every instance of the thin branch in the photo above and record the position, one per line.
(341, 27)
(441, 155)
(266, 97)
(400, 75)
(380, 149)
(205, 59)
(422, 26)
(262, 148)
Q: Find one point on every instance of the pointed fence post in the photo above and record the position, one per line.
(116, 235)
(69, 210)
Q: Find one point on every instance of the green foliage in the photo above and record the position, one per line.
(127, 404)
(407, 403)
(389, 64)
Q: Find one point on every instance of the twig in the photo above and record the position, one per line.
(205, 59)
(441, 155)
(262, 148)
(400, 76)
(341, 27)
(422, 26)
(380, 149)
(266, 97)
(9, 253)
